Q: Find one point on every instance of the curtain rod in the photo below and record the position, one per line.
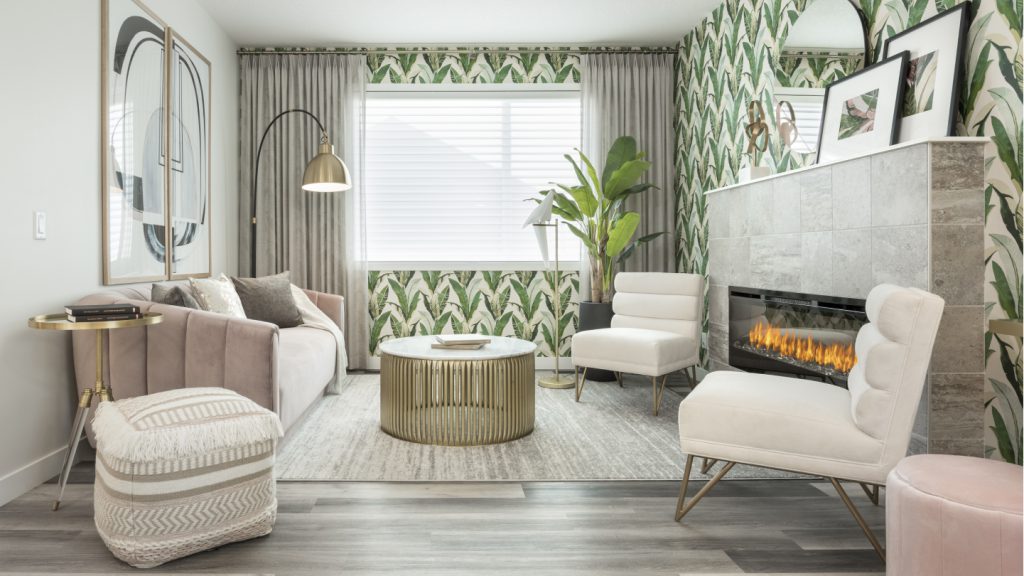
(459, 50)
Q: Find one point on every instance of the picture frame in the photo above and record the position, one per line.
(133, 98)
(861, 112)
(189, 169)
(932, 86)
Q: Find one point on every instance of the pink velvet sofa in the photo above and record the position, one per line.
(284, 370)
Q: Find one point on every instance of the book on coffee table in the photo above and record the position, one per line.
(462, 339)
(439, 346)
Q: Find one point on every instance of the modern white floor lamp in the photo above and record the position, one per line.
(541, 221)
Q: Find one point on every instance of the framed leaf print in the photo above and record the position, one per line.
(133, 98)
(189, 166)
(932, 83)
(861, 111)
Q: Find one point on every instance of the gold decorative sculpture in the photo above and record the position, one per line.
(785, 120)
(757, 132)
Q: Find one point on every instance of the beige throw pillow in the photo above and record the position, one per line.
(217, 295)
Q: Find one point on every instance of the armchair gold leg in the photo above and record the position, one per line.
(580, 382)
(658, 391)
(618, 376)
(682, 507)
(860, 519)
(871, 491)
(708, 463)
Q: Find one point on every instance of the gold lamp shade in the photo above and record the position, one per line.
(326, 172)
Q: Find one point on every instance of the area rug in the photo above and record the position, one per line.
(609, 435)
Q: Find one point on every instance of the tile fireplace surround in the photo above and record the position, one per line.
(912, 215)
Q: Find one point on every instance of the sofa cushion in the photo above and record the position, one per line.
(269, 298)
(217, 295)
(306, 358)
(173, 295)
(633, 350)
(778, 422)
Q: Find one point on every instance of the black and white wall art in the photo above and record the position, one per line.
(133, 96)
(155, 149)
(190, 160)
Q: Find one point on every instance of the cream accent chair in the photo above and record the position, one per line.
(655, 330)
(815, 428)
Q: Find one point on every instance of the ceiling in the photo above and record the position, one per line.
(320, 23)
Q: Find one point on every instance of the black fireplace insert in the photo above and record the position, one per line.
(806, 335)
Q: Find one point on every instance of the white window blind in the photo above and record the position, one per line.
(448, 172)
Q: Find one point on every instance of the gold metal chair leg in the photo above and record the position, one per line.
(708, 463)
(871, 491)
(860, 519)
(618, 376)
(657, 391)
(580, 382)
(683, 485)
(681, 508)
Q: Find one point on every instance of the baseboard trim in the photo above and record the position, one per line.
(30, 475)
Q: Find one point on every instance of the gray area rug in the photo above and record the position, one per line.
(609, 435)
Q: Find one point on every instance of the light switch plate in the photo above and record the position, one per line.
(40, 225)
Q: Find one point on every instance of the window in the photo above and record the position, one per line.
(807, 106)
(448, 171)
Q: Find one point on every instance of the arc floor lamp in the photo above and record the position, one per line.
(324, 173)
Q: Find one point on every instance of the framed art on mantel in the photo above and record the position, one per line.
(190, 161)
(936, 47)
(861, 111)
(133, 96)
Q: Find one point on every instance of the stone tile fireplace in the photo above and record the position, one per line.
(911, 215)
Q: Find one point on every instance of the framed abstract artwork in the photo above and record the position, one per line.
(861, 111)
(189, 164)
(132, 151)
(932, 83)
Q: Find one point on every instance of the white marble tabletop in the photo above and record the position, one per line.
(419, 347)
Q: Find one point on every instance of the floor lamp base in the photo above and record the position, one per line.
(557, 381)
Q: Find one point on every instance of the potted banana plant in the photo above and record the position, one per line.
(593, 208)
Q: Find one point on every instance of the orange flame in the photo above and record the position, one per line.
(840, 357)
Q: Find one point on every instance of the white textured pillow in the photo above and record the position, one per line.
(217, 295)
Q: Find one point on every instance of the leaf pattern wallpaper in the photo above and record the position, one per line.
(726, 60)
(814, 70)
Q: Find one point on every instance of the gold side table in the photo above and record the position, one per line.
(100, 392)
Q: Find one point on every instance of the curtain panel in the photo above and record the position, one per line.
(319, 237)
(632, 95)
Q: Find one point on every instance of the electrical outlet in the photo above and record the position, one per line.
(40, 225)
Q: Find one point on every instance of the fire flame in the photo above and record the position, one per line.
(840, 357)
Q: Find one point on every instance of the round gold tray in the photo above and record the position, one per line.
(61, 322)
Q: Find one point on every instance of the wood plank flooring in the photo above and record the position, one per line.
(535, 528)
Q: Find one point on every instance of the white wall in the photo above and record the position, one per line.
(49, 161)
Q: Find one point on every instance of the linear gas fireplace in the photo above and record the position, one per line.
(792, 333)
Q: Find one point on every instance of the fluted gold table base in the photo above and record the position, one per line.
(457, 402)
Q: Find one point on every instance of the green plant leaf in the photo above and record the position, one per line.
(583, 237)
(621, 232)
(625, 177)
(582, 194)
(622, 150)
(1003, 438)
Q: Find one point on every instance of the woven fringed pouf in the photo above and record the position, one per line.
(183, 471)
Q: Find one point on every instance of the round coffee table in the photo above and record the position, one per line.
(457, 397)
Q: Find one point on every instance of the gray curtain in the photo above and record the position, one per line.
(319, 237)
(632, 95)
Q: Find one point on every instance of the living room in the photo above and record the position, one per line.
(463, 287)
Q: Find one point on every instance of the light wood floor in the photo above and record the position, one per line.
(534, 528)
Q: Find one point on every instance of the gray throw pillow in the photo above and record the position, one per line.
(173, 295)
(269, 299)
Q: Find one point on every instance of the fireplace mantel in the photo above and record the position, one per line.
(912, 215)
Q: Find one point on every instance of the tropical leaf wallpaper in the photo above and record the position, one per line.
(814, 69)
(726, 61)
(466, 66)
(519, 304)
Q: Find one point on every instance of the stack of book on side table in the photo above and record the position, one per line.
(459, 341)
(102, 312)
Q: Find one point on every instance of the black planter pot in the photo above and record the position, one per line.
(595, 315)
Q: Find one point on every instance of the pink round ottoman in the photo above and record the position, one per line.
(953, 515)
